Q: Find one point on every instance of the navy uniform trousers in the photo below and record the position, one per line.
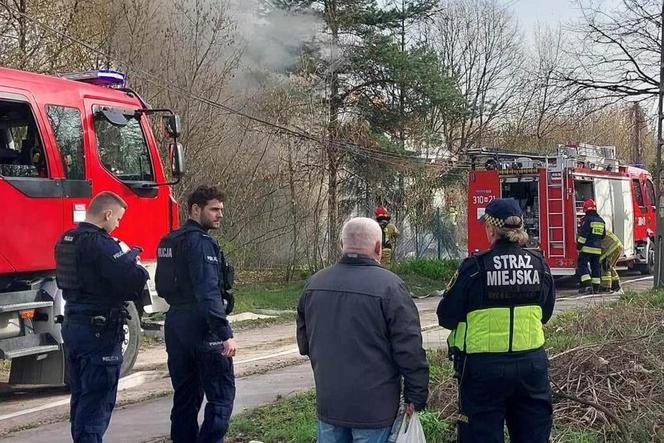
(197, 367)
(94, 359)
(512, 388)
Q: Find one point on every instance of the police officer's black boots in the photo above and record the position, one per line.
(596, 288)
(615, 287)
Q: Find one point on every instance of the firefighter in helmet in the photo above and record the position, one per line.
(612, 249)
(495, 306)
(390, 234)
(589, 244)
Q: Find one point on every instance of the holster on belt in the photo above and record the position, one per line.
(118, 318)
(456, 358)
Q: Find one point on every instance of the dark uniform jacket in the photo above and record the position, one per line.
(197, 266)
(591, 233)
(107, 275)
(512, 277)
(361, 330)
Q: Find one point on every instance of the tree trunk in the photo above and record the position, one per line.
(293, 210)
(333, 166)
(333, 127)
(402, 86)
(23, 34)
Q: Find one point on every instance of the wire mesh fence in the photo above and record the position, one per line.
(445, 237)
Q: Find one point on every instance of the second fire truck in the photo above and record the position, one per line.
(551, 191)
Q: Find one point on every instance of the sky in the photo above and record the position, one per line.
(530, 13)
(534, 13)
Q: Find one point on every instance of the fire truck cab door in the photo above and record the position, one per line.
(31, 189)
(483, 187)
(124, 160)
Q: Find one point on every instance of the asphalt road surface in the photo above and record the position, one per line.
(269, 366)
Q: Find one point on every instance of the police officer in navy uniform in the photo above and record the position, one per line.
(495, 307)
(96, 278)
(194, 278)
(589, 243)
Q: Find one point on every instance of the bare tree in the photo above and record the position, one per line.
(31, 35)
(617, 51)
(478, 43)
(544, 104)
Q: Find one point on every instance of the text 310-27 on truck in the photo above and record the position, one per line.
(551, 191)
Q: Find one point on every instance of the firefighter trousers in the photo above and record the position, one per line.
(589, 269)
(197, 367)
(386, 257)
(610, 277)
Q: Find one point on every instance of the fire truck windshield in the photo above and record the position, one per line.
(122, 146)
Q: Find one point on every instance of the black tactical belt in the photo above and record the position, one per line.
(92, 320)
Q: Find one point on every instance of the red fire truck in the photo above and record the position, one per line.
(63, 140)
(551, 191)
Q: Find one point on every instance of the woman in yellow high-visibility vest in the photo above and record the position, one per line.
(496, 306)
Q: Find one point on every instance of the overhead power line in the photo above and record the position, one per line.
(383, 156)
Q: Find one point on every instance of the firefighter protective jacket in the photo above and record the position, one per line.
(390, 233)
(591, 234)
(610, 244)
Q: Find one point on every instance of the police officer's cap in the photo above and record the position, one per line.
(500, 210)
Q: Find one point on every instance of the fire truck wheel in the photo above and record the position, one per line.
(132, 340)
(648, 268)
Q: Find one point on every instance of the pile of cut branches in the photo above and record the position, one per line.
(612, 379)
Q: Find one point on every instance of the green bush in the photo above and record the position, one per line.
(441, 270)
(435, 428)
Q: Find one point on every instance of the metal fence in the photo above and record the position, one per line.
(444, 238)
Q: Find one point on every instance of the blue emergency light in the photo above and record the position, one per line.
(101, 77)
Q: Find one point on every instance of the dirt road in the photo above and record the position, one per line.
(267, 366)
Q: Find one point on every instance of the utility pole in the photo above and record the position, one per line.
(636, 124)
(439, 233)
(659, 235)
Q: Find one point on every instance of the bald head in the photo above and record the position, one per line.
(362, 235)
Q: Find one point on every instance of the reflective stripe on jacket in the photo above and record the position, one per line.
(591, 234)
(610, 244)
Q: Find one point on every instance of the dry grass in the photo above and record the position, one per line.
(612, 379)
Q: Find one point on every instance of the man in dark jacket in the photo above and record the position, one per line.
(361, 330)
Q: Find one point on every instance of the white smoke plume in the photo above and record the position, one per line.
(271, 37)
